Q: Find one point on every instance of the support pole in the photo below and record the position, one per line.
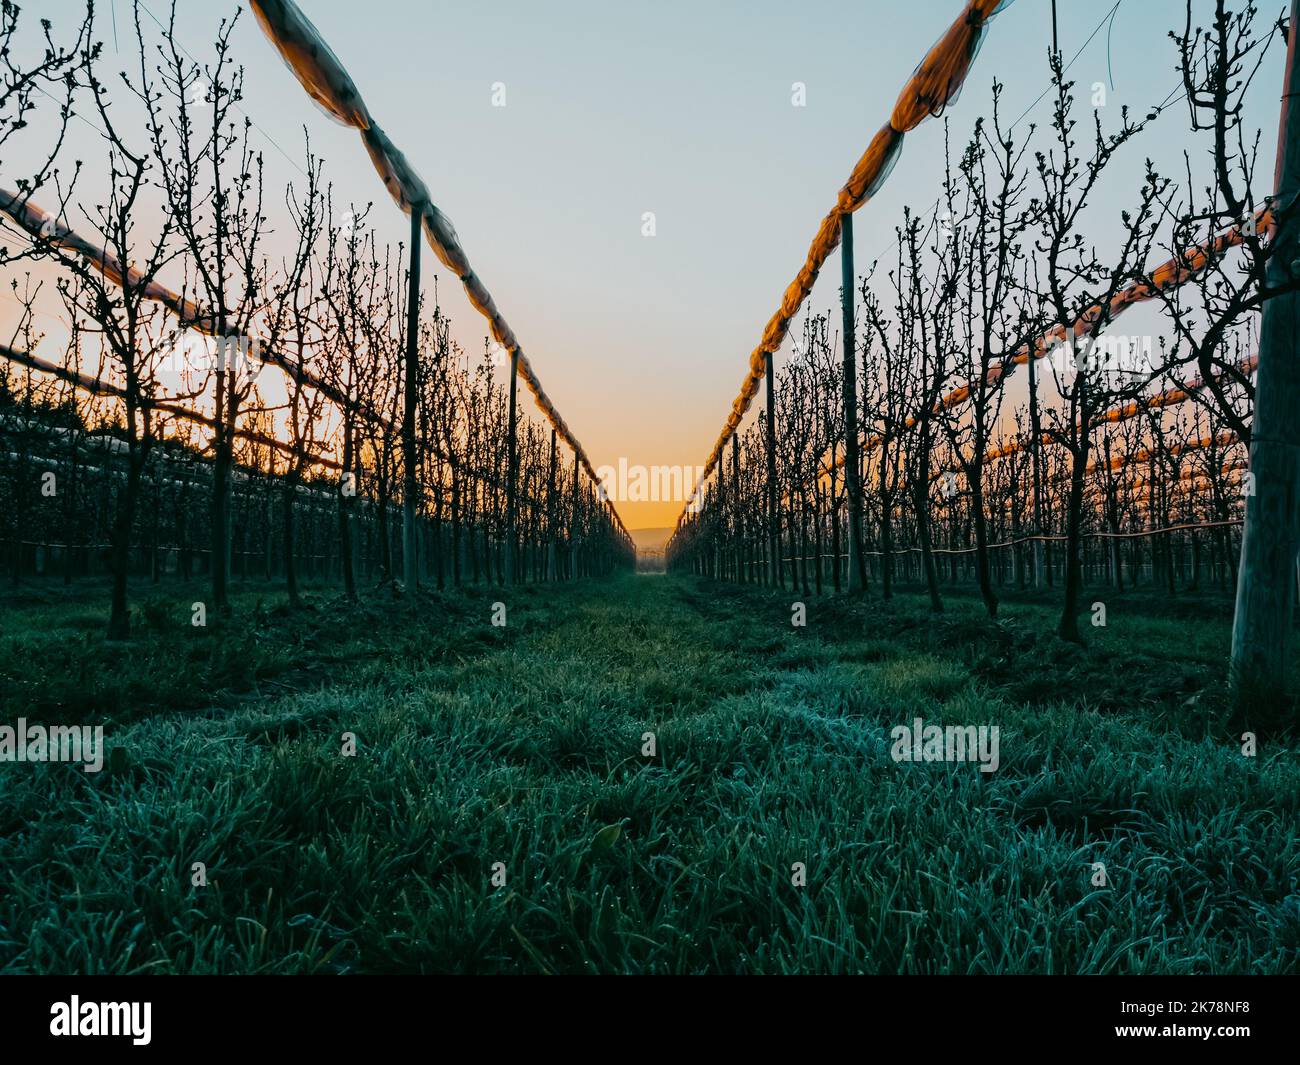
(852, 470)
(512, 469)
(551, 547)
(573, 521)
(1261, 626)
(739, 519)
(774, 533)
(720, 525)
(410, 458)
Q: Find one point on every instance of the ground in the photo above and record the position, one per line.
(523, 745)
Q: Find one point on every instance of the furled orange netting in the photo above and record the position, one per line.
(934, 85)
(1117, 462)
(1173, 396)
(1168, 275)
(1146, 454)
(321, 73)
(99, 387)
(1168, 398)
(41, 225)
(1189, 484)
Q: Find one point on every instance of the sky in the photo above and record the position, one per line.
(683, 109)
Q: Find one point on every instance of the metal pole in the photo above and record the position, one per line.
(774, 534)
(573, 522)
(512, 467)
(852, 471)
(739, 532)
(551, 547)
(720, 525)
(411, 483)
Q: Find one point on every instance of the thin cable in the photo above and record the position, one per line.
(190, 55)
(1109, 15)
(252, 121)
(1110, 26)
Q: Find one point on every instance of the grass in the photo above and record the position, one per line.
(522, 746)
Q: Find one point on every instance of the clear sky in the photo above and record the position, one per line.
(676, 107)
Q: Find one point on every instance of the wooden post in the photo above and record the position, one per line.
(512, 468)
(410, 459)
(1265, 585)
(774, 533)
(852, 470)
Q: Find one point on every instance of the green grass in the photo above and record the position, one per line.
(522, 745)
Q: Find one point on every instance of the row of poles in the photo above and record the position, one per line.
(323, 77)
(857, 575)
(410, 445)
(1266, 585)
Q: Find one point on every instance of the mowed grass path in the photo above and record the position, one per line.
(486, 752)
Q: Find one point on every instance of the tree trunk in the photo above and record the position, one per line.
(119, 618)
